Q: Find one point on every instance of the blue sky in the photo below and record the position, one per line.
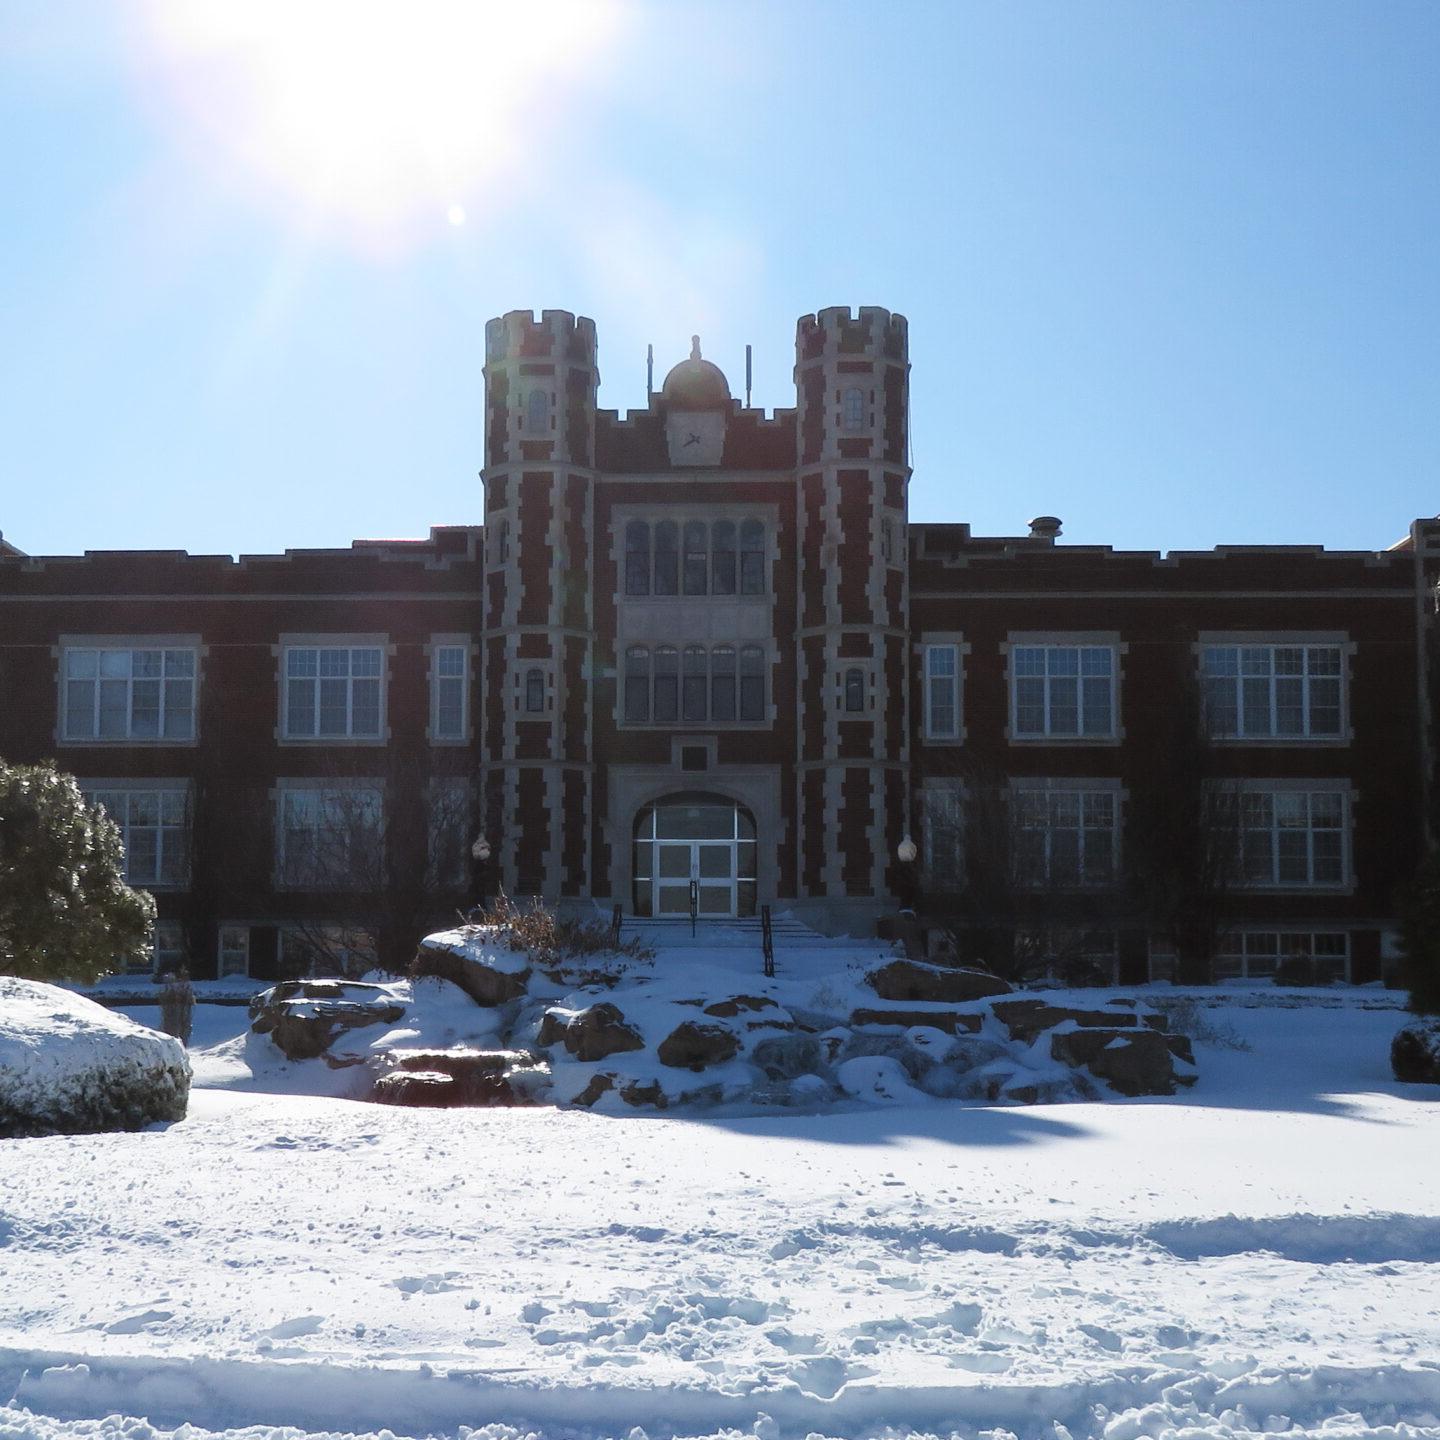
(1170, 269)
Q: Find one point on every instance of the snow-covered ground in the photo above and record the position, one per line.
(1261, 1254)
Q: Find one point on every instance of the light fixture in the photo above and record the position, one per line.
(906, 852)
(481, 849)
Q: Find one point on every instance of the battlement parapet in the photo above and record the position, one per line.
(837, 331)
(556, 335)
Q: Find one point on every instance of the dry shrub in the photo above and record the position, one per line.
(574, 951)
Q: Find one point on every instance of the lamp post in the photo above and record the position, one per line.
(906, 853)
(480, 852)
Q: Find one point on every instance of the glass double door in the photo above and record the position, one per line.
(702, 844)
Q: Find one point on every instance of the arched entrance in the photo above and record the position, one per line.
(699, 839)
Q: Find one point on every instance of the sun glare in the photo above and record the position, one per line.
(377, 118)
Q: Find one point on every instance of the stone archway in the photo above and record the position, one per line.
(694, 841)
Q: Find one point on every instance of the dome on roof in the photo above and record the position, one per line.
(696, 384)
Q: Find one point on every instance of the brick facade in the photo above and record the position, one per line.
(700, 600)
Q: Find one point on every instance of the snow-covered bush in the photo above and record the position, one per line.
(69, 1066)
(1420, 936)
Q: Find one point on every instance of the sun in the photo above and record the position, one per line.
(371, 116)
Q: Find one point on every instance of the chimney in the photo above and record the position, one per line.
(1045, 527)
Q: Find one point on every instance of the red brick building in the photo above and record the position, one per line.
(698, 650)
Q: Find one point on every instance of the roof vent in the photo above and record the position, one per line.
(1045, 527)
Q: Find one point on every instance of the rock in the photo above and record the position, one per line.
(1415, 1052)
(638, 1094)
(485, 983)
(951, 1021)
(786, 1057)
(553, 1025)
(470, 1077)
(304, 1017)
(1135, 1062)
(729, 1009)
(693, 1046)
(599, 1031)
(599, 1084)
(1026, 1019)
(916, 980)
(70, 1067)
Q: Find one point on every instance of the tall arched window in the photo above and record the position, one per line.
(637, 684)
(667, 558)
(852, 409)
(752, 557)
(637, 558)
(854, 691)
(722, 557)
(667, 684)
(752, 683)
(696, 556)
(534, 691)
(537, 412)
(694, 684)
(722, 682)
(502, 542)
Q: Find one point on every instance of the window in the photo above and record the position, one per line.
(1258, 954)
(129, 694)
(752, 557)
(502, 542)
(1064, 691)
(326, 950)
(852, 409)
(942, 692)
(233, 953)
(637, 558)
(697, 557)
(534, 691)
(448, 680)
(1065, 838)
(752, 683)
(330, 837)
(168, 947)
(155, 827)
(667, 559)
(448, 832)
(944, 837)
(637, 685)
(854, 691)
(694, 557)
(1272, 692)
(537, 412)
(693, 685)
(332, 692)
(1292, 838)
(889, 550)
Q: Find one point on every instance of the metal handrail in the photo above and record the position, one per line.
(616, 920)
(694, 905)
(767, 941)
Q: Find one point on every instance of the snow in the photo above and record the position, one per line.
(478, 943)
(66, 1062)
(1259, 1255)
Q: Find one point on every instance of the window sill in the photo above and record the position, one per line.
(1085, 742)
(1287, 742)
(697, 726)
(303, 742)
(139, 743)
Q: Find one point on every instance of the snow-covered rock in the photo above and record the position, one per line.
(69, 1066)
(476, 959)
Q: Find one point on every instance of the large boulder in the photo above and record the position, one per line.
(599, 1031)
(1027, 1018)
(693, 1046)
(1415, 1052)
(951, 1021)
(303, 1018)
(490, 974)
(949, 985)
(442, 1078)
(69, 1066)
(1134, 1062)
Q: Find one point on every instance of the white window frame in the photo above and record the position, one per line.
(72, 647)
(1270, 642)
(869, 687)
(942, 813)
(1087, 791)
(168, 941)
(1243, 955)
(294, 645)
(1048, 643)
(738, 649)
(935, 645)
(441, 647)
(359, 794)
(1274, 791)
(853, 418)
(232, 929)
(172, 795)
(654, 515)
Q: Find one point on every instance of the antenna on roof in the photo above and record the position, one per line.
(747, 377)
(649, 374)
